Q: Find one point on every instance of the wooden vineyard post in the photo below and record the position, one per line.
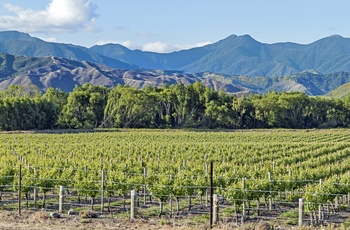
(336, 203)
(211, 195)
(206, 190)
(61, 200)
(171, 205)
(216, 209)
(320, 205)
(35, 196)
(132, 204)
(243, 203)
(301, 211)
(144, 186)
(270, 198)
(19, 189)
(103, 190)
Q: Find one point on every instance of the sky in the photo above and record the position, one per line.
(169, 25)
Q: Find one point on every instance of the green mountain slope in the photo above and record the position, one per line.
(22, 44)
(340, 92)
(63, 73)
(234, 55)
(242, 55)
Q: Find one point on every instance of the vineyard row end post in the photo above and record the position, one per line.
(133, 210)
(61, 200)
(301, 211)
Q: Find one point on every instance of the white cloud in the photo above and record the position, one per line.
(158, 47)
(48, 39)
(161, 47)
(130, 45)
(201, 44)
(59, 16)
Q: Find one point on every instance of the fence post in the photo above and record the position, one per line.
(132, 204)
(336, 203)
(144, 187)
(270, 198)
(61, 200)
(211, 195)
(320, 205)
(244, 198)
(216, 209)
(35, 196)
(301, 211)
(19, 189)
(171, 205)
(206, 190)
(102, 188)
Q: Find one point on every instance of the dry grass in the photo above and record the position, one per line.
(30, 220)
(40, 216)
(263, 226)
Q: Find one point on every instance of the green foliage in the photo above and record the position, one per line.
(84, 108)
(175, 106)
(129, 107)
(176, 164)
(22, 111)
(6, 176)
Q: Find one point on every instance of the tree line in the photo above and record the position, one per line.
(175, 106)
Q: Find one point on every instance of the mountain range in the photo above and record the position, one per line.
(56, 72)
(242, 55)
(234, 55)
(235, 64)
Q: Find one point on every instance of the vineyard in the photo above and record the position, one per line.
(257, 175)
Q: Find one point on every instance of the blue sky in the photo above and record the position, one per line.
(165, 26)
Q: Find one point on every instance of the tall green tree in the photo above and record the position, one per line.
(130, 108)
(219, 112)
(84, 108)
(245, 111)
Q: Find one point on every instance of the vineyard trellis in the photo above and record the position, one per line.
(264, 172)
(72, 200)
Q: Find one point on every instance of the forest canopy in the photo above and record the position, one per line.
(175, 106)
